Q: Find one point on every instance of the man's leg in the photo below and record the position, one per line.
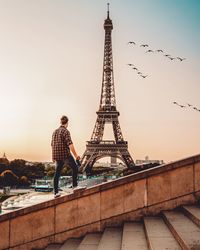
(74, 167)
(59, 165)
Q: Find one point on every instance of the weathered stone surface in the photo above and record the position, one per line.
(158, 188)
(112, 202)
(197, 176)
(171, 204)
(71, 244)
(184, 230)
(4, 234)
(90, 242)
(181, 181)
(66, 216)
(78, 212)
(159, 235)
(193, 212)
(88, 209)
(79, 232)
(133, 237)
(171, 184)
(32, 226)
(108, 204)
(134, 195)
(111, 239)
(37, 244)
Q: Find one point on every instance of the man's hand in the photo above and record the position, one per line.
(78, 161)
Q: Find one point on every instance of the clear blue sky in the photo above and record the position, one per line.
(51, 64)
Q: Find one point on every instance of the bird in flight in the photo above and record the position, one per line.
(159, 50)
(143, 76)
(182, 106)
(139, 73)
(130, 64)
(196, 109)
(131, 42)
(167, 55)
(135, 68)
(149, 51)
(144, 45)
(171, 58)
(188, 104)
(181, 59)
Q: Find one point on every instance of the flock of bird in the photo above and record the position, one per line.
(148, 50)
(137, 70)
(186, 106)
(158, 51)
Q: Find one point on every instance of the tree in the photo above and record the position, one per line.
(9, 178)
(31, 171)
(23, 181)
(50, 171)
(18, 166)
(3, 167)
(1, 181)
(66, 171)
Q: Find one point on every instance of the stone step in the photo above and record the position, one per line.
(186, 232)
(111, 239)
(193, 212)
(133, 237)
(90, 242)
(71, 244)
(159, 236)
(53, 247)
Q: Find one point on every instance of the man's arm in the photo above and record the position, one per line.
(72, 149)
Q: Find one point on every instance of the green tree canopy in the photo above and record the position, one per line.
(31, 171)
(8, 178)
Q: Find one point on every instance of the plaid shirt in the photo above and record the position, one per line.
(61, 140)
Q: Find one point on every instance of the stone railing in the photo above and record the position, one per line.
(109, 204)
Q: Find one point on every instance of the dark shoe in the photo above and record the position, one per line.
(57, 195)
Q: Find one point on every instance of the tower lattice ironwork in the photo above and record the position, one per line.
(98, 148)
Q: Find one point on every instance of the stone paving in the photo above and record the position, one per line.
(29, 199)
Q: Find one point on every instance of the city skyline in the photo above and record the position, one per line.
(51, 64)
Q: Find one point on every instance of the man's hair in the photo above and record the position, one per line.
(64, 119)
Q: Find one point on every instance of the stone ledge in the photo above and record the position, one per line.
(113, 221)
(127, 198)
(104, 186)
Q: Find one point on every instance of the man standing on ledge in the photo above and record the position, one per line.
(62, 147)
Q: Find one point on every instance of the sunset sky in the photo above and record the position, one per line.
(51, 62)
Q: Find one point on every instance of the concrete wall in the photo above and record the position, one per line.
(109, 204)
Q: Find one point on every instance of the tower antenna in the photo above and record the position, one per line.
(108, 4)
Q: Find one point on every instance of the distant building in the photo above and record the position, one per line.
(4, 159)
(46, 164)
(147, 160)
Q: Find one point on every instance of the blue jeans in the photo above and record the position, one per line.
(59, 165)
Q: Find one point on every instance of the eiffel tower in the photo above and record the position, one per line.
(98, 148)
